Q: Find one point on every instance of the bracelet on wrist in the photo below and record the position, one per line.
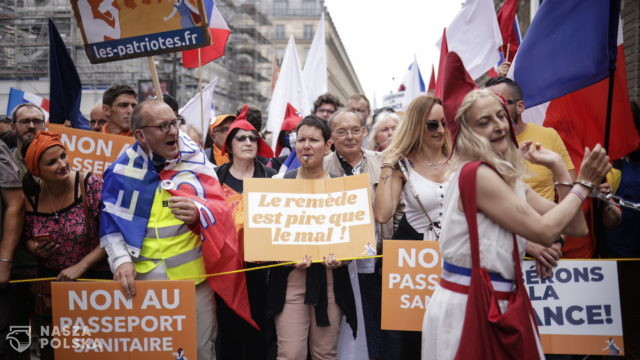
(563, 183)
(387, 165)
(577, 193)
(6, 260)
(586, 184)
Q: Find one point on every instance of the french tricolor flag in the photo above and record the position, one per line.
(17, 97)
(563, 67)
(219, 31)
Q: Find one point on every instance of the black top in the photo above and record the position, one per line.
(316, 288)
(225, 177)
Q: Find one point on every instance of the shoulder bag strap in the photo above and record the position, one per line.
(403, 164)
(467, 185)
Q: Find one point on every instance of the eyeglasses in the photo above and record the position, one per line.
(356, 131)
(34, 121)
(223, 130)
(433, 125)
(325, 111)
(243, 138)
(166, 127)
(512, 101)
(100, 122)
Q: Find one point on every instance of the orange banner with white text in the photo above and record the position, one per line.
(91, 151)
(96, 320)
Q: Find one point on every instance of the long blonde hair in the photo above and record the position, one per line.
(470, 146)
(408, 137)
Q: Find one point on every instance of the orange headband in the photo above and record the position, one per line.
(41, 142)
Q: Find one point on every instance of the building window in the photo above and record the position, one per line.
(280, 32)
(280, 7)
(279, 54)
(244, 86)
(308, 32)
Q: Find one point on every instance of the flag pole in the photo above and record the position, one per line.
(607, 124)
(200, 90)
(154, 77)
(507, 57)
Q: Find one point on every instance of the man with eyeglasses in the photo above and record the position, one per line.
(170, 247)
(97, 118)
(325, 106)
(347, 132)
(26, 120)
(218, 132)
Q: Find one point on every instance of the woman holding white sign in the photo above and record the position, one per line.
(481, 309)
(309, 300)
(415, 168)
(236, 336)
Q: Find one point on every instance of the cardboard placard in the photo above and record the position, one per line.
(124, 29)
(91, 151)
(410, 273)
(578, 308)
(286, 219)
(95, 320)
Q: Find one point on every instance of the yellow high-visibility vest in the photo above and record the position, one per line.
(170, 241)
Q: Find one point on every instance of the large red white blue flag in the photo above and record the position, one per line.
(17, 97)
(563, 68)
(219, 31)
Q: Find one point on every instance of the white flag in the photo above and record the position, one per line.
(412, 84)
(475, 35)
(289, 89)
(314, 74)
(196, 112)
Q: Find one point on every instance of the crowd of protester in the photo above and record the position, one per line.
(527, 195)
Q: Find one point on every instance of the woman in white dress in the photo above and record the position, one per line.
(505, 206)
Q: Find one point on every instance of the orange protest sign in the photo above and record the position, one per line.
(410, 273)
(91, 151)
(95, 320)
(286, 219)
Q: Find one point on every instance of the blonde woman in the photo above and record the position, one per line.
(416, 165)
(505, 206)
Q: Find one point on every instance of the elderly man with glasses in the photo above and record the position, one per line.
(347, 132)
(166, 243)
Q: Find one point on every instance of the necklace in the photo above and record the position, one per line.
(55, 212)
(437, 164)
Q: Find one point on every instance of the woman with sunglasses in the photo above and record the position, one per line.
(416, 165)
(482, 217)
(61, 220)
(237, 339)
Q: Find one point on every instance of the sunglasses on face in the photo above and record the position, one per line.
(243, 138)
(433, 125)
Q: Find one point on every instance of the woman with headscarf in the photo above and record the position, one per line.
(480, 309)
(236, 338)
(61, 219)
